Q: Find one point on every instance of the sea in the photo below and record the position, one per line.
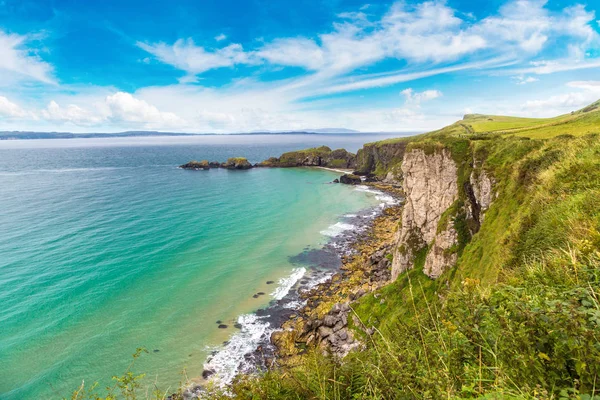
(106, 246)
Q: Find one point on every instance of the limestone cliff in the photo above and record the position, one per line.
(430, 186)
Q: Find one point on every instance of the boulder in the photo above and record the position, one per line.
(350, 179)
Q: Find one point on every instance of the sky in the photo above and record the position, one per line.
(241, 66)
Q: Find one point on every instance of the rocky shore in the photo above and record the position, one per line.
(318, 309)
(325, 319)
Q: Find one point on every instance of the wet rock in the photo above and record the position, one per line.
(222, 326)
(350, 179)
(270, 282)
(219, 322)
(207, 373)
(336, 181)
(237, 325)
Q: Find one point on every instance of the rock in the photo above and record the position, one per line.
(324, 331)
(350, 179)
(207, 373)
(156, 350)
(270, 282)
(237, 325)
(222, 326)
(336, 181)
(196, 165)
(338, 326)
(329, 320)
(237, 163)
(214, 164)
(430, 184)
(218, 322)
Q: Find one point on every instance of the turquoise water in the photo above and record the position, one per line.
(106, 246)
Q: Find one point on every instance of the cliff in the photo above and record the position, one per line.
(490, 272)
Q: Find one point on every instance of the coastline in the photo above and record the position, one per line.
(322, 274)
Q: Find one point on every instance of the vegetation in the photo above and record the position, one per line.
(518, 317)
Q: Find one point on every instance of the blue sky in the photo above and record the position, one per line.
(237, 66)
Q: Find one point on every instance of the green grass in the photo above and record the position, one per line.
(518, 317)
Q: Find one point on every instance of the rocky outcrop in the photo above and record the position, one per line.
(237, 163)
(430, 186)
(440, 255)
(350, 179)
(332, 331)
(232, 163)
(196, 165)
(382, 159)
(482, 186)
(316, 157)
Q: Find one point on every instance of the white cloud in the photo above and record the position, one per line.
(523, 80)
(593, 86)
(72, 113)
(186, 56)
(220, 37)
(10, 109)
(589, 92)
(21, 63)
(126, 108)
(298, 52)
(552, 66)
(416, 98)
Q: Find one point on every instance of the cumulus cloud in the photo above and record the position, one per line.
(126, 108)
(72, 113)
(10, 110)
(220, 37)
(21, 63)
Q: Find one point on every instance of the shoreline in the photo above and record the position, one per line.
(256, 346)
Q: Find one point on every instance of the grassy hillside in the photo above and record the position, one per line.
(518, 317)
(582, 122)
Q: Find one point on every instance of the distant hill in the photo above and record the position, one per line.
(331, 130)
(21, 135)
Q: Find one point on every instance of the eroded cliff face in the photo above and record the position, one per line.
(430, 186)
(382, 159)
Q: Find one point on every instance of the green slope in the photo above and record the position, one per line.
(519, 315)
(582, 122)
